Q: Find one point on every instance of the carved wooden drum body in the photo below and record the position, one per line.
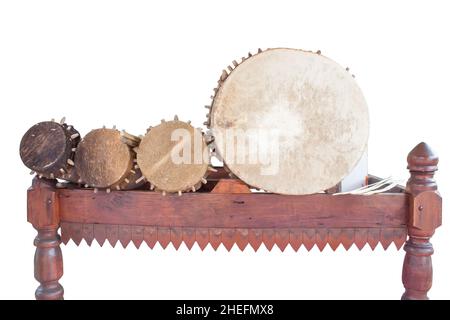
(48, 148)
(289, 121)
(105, 161)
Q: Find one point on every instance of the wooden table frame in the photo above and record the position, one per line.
(226, 213)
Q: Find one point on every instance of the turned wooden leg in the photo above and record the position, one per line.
(424, 217)
(417, 269)
(48, 264)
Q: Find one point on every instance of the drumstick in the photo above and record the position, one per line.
(374, 186)
(374, 189)
(367, 188)
(389, 187)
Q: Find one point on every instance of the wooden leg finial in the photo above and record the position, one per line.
(424, 218)
(48, 265)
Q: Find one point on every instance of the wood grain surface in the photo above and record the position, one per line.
(252, 210)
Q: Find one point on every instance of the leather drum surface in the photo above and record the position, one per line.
(298, 121)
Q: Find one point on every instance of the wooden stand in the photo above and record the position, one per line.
(225, 212)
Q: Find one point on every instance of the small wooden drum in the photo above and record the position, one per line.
(299, 111)
(155, 157)
(48, 149)
(104, 160)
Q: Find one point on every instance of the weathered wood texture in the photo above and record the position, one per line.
(425, 216)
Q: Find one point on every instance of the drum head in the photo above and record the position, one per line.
(156, 161)
(102, 159)
(290, 121)
(45, 147)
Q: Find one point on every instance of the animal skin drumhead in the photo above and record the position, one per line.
(102, 159)
(45, 145)
(290, 121)
(156, 152)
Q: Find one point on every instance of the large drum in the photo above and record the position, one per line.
(289, 121)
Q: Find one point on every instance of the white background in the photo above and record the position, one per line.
(132, 63)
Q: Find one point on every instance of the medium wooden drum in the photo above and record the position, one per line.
(289, 121)
(48, 149)
(105, 161)
(155, 157)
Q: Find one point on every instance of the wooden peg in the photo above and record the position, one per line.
(142, 178)
(224, 75)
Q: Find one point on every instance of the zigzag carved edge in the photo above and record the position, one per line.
(308, 237)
